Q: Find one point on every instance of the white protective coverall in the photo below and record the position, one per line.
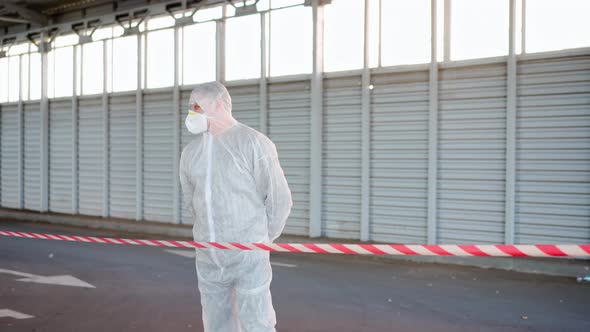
(236, 191)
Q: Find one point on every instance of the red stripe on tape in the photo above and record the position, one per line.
(371, 248)
(437, 250)
(511, 250)
(263, 246)
(108, 240)
(473, 249)
(238, 245)
(197, 244)
(315, 248)
(288, 247)
(218, 245)
(342, 248)
(403, 249)
(178, 244)
(156, 242)
(90, 239)
(551, 250)
(37, 236)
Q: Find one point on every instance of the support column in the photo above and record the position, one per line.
(21, 157)
(139, 137)
(176, 131)
(74, 119)
(447, 30)
(21, 164)
(263, 87)
(432, 223)
(106, 134)
(44, 141)
(365, 134)
(220, 46)
(315, 184)
(510, 130)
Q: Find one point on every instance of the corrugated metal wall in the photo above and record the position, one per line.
(122, 148)
(472, 154)
(289, 128)
(61, 146)
(90, 155)
(552, 140)
(399, 157)
(32, 159)
(246, 104)
(10, 154)
(158, 123)
(342, 157)
(553, 151)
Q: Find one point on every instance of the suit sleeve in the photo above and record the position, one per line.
(273, 188)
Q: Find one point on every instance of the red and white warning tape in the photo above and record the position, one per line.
(487, 250)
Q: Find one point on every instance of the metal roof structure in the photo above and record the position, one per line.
(18, 18)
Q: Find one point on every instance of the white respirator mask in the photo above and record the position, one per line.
(196, 123)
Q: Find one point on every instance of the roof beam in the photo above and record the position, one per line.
(29, 15)
(12, 19)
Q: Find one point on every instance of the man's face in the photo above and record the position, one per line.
(196, 108)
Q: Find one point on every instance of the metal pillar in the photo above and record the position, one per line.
(263, 88)
(44, 140)
(315, 184)
(105, 140)
(510, 130)
(365, 134)
(21, 137)
(74, 119)
(176, 131)
(447, 30)
(523, 28)
(433, 129)
(220, 46)
(139, 137)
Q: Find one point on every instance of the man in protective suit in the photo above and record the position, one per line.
(236, 191)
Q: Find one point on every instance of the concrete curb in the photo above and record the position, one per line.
(567, 267)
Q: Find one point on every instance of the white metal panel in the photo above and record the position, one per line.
(60, 156)
(122, 156)
(90, 154)
(399, 157)
(341, 164)
(289, 128)
(158, 156)
(245, 104)
(32, 152)
(553, 151)
(472, 154)
(10, 171)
